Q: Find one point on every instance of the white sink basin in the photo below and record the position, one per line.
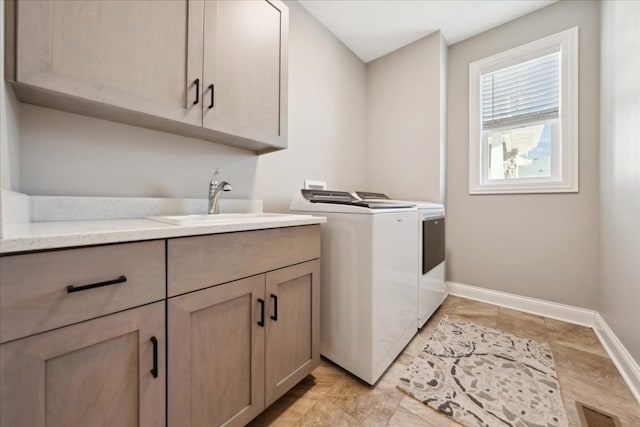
(222, 218)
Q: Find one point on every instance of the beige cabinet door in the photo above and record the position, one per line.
(103, 372)
(216, 354)
(293, 326)
(143, 55)
(245, 69)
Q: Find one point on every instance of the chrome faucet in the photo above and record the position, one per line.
(215, 189)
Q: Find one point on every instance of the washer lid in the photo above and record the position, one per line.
(378, 197)
(367, 195)
(343, 202)
(346, 198)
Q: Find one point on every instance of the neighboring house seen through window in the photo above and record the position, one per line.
(523, 118)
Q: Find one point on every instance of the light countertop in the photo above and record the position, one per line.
(63, 234)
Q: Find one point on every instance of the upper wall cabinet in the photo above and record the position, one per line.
(132, 55)
(216, 70)
(243, 69)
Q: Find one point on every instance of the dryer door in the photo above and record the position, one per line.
(432, 243)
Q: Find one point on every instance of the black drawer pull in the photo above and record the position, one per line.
(72, 288)
(197, 83)
(275, 307)
(261, 321)
(154, 370)
(211, 87)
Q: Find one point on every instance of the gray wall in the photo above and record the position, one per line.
(406, 135)
(619, 302)
(542, 246)
(67, 154)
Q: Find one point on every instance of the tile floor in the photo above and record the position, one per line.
(332, 397)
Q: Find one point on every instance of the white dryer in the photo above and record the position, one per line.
(431, 253)
(369, 279)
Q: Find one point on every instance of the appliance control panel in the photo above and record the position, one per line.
(328, 196)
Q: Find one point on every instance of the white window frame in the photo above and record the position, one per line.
(564, 158)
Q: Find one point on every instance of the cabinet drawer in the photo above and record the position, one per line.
(33, 287)
(201, 261)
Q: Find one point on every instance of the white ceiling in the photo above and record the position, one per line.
(373, 28)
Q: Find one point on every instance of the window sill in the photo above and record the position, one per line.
(524, 188)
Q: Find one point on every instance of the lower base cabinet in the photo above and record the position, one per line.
(98, 357)
(237, 347)
(108, 371)
(216, 355)
(293, 334)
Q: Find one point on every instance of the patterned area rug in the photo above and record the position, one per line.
(483, 377)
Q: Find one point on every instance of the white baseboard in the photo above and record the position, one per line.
(627, 366)
(553, 310)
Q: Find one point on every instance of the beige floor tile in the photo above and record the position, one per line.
(422, 336)
(458, 304)
(426, 413)
(333, 397)
(629, 420)
(404, 358)
(416, 345)
(482, 320)
(522, 324)
(285, 412)
(625, 410)
(578, 337)
(594, 380)
(405, 418)
(580, 368)
(295, 403)
(570, 409)
(392, 376)
(325, 377)
(432, 322)
(372, 406)
(325, 414)
(452, 301)
(473, 311)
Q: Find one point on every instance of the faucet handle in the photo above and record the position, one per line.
(214, 178)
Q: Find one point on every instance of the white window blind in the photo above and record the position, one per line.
(521, 93)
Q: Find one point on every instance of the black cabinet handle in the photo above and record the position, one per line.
(73, 288)
(197, 83)
(154, 370)
(275, 307)
(261, 321)
(211, 88)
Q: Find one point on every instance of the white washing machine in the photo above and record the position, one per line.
(431, 254)
(369, 279)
